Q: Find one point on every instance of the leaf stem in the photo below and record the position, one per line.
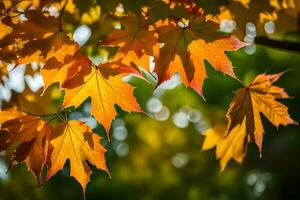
(241, 82)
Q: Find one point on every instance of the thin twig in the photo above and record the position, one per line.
(13, 6)
(281, 44)
(63, 8)
(61, 13)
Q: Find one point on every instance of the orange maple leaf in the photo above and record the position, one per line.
(136, 36)
(55, 71)
(259, 97)
(75, 141)
(38, 143)
(137, 40)
(186, 46)
(106, 88)
(26, 134)
(230, 146)
(39, 38)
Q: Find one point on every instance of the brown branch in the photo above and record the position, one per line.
(281, 44)
(63, 8)
(5, 13)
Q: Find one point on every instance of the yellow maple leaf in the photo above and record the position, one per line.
(75, 141)
(106, 88)
(259, 97)
(230, 146)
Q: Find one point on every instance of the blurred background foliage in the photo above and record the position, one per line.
(157, 155)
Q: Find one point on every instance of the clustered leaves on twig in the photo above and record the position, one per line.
(177, 44)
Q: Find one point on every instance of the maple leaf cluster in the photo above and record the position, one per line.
(37, 143)
(177, 44)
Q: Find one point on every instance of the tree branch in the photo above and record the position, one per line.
(281, 44)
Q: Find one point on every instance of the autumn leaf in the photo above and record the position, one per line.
(25, 137)
(57, 72)
(34, 152)
(186, 46)
(244, 118)
(75, 141)
(136, 36)
(259, 97)
(39, 38)
(135, 40)
(230, 146)
(106, 88)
